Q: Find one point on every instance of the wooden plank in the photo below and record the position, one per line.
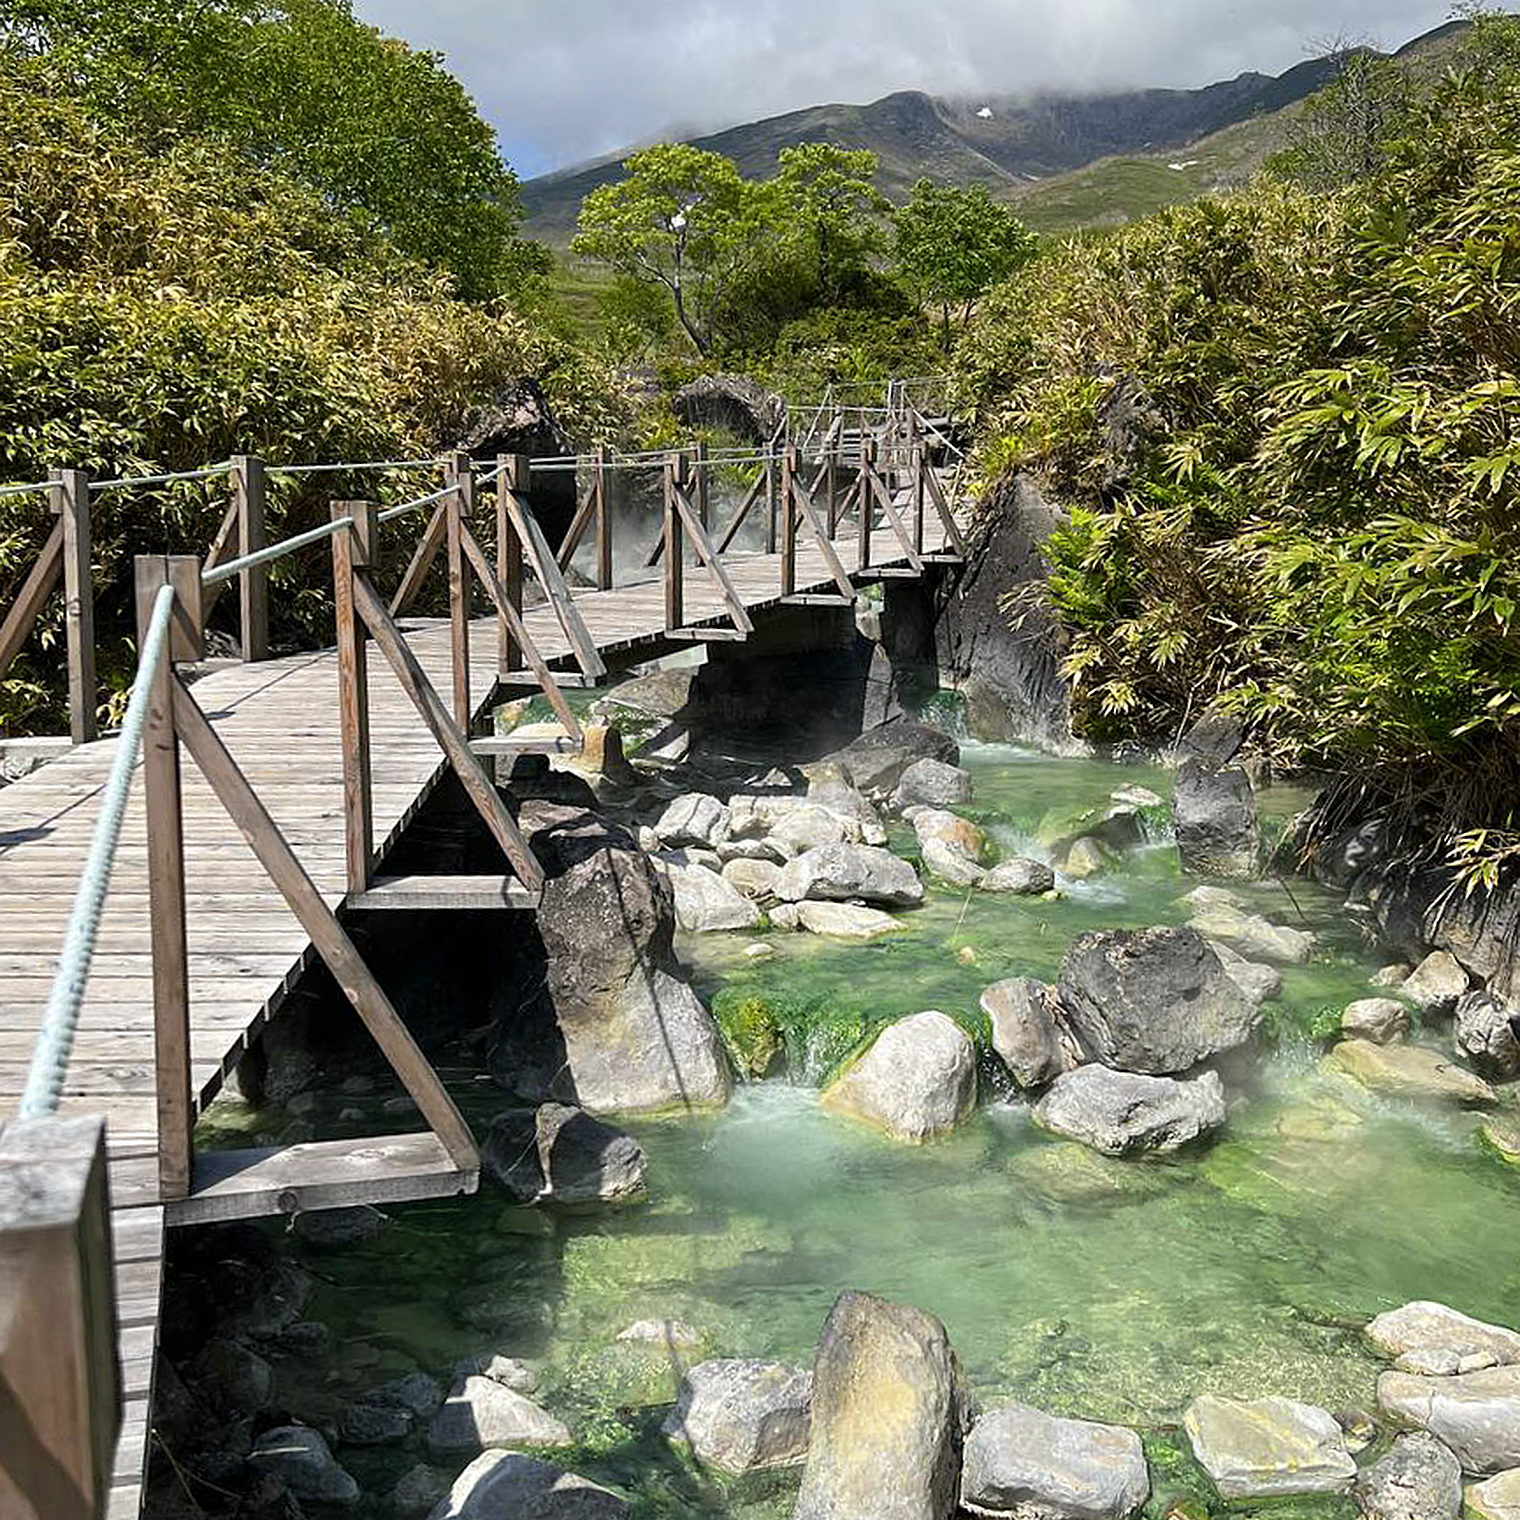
(459, 506)
(675, 554)
(39, 585)
(392, 892)
(323, 1174)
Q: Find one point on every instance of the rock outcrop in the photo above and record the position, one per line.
(743, 1416)
(1214, 814)
(1261, 1448)
(1156, 1001)
(1476, 1414)
(890, 1411)
(606, 1021)
(1121, 1113)
(560, 1154)
(917, 1080)
(1021, 1461)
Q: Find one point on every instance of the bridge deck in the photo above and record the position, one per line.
(280, 720)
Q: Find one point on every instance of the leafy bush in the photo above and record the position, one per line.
(162, 310)
(1287, 427)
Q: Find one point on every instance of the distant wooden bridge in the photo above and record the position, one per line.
(267, 804)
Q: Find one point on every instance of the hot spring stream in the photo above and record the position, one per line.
(1113, 1290)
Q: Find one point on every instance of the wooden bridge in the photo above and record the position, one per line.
(266, 807)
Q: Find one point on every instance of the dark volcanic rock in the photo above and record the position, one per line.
(562, 1154)
(1157, 1001)
(1214, 811)
(733, 403)
(875, 761)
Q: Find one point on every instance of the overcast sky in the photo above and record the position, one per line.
(567, 80)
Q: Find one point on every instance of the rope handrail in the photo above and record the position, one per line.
(41, 485)
(55, 1039)
(209, 473)
(270, 552)
(355, 466)
(402, 508)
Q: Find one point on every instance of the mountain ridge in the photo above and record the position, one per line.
(1029, 138)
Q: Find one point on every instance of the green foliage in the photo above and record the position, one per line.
(953, 244)
(1288, 428)
(162, 307)
(829, 207)
(751, 1032)
(382, 130)
(682, 219)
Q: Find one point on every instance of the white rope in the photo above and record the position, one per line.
(275, 551)
(50, 1055)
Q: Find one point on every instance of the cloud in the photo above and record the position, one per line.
(567, 81)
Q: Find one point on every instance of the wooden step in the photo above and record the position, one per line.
(570, 680)
(396, 892)
(320, 1174)
(708, 635)
(507, 744)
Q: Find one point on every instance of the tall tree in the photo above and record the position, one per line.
(381, 129)
(682, 219)
(952, 245)
(829, 201)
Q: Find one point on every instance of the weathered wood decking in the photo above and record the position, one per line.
(280, 720)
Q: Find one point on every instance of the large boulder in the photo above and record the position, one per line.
(1254, 937)
(518, 419)
(1259, 982)
(732, 404)
(743, 1416)
(1009, 670)
(847, 872)
(480, 1413)
(300, 1458)
(1381, 1020)
(1485, 1029)
(1021, 1461)
(1476, 1414)
(504, 1485)
(1025, 1030)
(1408, 1071)
(952, 866)
(1019, 877)
(1152, 1000)
(845, 920)
(605, 1019)
(1120, 1113)
(1261, 1448)
(889, 1416)
(561, 1154)
(707, 902)
(937, 825)
(1428, 1337)
(695, 819)
(933, 783)
(917, 1080)
(1436, 983)
(875, 761)
(1418, 1479)
(1214, 814)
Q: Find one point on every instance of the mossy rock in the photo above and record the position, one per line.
(1063, 1172)
(1499, 1135)
(752, 1033)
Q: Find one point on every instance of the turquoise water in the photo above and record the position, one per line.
(1113, 1290)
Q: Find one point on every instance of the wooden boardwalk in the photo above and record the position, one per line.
(280, 720)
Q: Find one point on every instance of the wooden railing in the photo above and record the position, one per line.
(857, 459)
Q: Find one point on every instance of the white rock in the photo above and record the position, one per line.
(917, 1080)
(480, 1413)
(695, 819)
(844, 920)
(1436, 983)
(706, 902)
(1377, 1019)
(1256, 1448)
(1442, 1337)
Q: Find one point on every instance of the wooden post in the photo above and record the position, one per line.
(831, 484)
(248, 487)
(513, 476)
(355, 549)
(603, 524)
(916, 468)
(166, 862)
(788, 523)
(71, 505)
(460, 507)
(60, 1381)
(770, 501)
(867, 497)
(699, 473)
(675, 550)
